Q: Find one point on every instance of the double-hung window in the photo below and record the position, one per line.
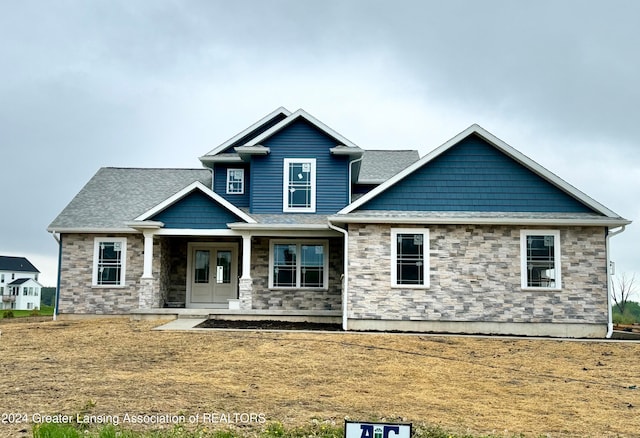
(235, 181)
(410, 257)
(299, 185)
(540, 259)
(298, 264)
(109, 261)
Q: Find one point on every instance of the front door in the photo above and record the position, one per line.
(213, 270)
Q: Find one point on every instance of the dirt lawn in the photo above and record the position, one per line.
(117, 367)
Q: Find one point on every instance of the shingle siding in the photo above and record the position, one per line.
(475, 176)
(299, 140)
(196, 211)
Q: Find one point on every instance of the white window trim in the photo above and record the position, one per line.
(299, 243)
(426, 271)
(285, 186)
(229, 171)
(96, 254)
(557, 258)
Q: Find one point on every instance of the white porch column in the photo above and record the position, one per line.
(246, 257)
(147, 271)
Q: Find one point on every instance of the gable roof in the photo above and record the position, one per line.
(500, 146)
(115, 196)
(302, 114)
(16, 264)
(19, 281)
(195, 186)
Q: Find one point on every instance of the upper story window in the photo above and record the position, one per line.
(299, 185)
(235, 181)
(109, 261)
(540, 259)
(410, 257)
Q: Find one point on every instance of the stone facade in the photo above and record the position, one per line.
(298, 299)
(78, 296)
(475, 276)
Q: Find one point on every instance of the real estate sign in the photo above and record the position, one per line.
(353, 429)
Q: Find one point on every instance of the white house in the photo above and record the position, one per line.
(19, 285)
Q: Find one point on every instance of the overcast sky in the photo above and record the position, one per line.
(86, 84)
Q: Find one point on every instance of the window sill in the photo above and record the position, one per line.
(541, 289)
(108, 286)
(410, 286)
(299, 288)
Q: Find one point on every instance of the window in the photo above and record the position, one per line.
(235, 181)
(299, 185)
(410, 257)
(298, 264)
(1, 278)
(540, 259)
(25, 291)
(29, 306)
(109, 261)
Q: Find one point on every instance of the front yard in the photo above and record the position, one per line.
(107, 370)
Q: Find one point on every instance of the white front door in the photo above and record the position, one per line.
(213, 274)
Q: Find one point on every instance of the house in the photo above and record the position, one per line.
(19, 287)
(289, 219)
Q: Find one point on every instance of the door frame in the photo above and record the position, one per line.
(234, 279)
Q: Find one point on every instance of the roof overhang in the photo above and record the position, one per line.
(220, 159)
(351, 151)
(244, 152)
(91, 230)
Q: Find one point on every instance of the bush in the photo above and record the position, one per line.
(8, 314)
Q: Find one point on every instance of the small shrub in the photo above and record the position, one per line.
(35, 312)
(8, 314)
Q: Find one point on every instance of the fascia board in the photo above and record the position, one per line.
(89, 230)
(477, 221)
(262, 121)
(292, 117)
(284, 227)
(197, 185)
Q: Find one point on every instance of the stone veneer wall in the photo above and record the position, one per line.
(475, 276)
(296, 299)
(78, 296)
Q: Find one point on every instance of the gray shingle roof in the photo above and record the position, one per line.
(378, 166)
(117, 195)
(16, 264)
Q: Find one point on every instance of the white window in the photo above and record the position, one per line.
(299, 185)
(410, 257)
(540, 259)
(235, 181)
(295, 264)
(29, 306)
(109, 261)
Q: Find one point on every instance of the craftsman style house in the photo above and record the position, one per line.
(19, 287)
(289, 219)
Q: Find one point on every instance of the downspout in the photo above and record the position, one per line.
(609, 280)
(55, 304)
(345, 278)
(351, 163)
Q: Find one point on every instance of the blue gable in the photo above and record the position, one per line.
(300, 139)
(475, 176)
(196, 210)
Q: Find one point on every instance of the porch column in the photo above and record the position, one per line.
(147, 271)
(245, 289)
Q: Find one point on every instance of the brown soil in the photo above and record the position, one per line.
(483, 385)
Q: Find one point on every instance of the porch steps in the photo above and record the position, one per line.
(314, 316)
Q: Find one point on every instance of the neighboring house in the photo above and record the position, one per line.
(19, 287)
(289, 219)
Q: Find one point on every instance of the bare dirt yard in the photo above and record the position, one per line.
(117, 367)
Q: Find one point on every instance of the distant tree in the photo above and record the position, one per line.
(622, 289)
(48, 296)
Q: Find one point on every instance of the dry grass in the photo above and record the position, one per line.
(500, 386)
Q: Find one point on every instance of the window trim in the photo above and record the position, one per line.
(123, 264)
(426, 266)
(229, 171)
(285, 185)
(299, 243)
(557, 262)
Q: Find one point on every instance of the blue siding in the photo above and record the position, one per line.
(299, 140)
(196, 210)
(253, 134)
(220, 183)
(475, 176)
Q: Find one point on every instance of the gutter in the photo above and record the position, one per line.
(345, 278)
(609, 280)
